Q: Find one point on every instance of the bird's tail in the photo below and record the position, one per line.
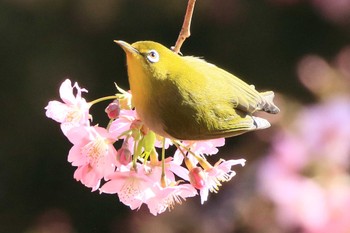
(268, 105)
(260, 123)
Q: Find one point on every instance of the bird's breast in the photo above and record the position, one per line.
(146, 96)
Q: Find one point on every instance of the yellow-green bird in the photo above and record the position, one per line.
(187, 98)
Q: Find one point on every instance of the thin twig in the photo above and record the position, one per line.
(185, 30)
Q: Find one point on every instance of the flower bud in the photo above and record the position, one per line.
(113, 109)
(124, 156)
(197, 177)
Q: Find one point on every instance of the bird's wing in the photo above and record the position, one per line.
(242, 96)
(219, 104)
(249, 123)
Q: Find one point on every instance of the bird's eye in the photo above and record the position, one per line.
(153, 56)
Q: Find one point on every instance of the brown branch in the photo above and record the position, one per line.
(185, 30)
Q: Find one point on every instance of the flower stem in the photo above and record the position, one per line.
(202, 161)
(162, 179)
(109, 124)
(111, 97)
(135, 156)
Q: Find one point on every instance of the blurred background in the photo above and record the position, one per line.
(297, 173)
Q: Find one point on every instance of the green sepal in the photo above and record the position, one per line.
(148, 141)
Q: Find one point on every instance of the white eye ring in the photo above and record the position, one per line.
(153, 56)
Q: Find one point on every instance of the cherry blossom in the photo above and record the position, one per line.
(93, 154)
(306, 173)
(73, 111)
(132, 186)
(214, 176)
(166, 198)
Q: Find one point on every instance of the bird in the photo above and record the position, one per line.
(187, 98)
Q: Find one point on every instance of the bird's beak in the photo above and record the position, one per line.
(127, 47)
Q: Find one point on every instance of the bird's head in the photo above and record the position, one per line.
(150, 57)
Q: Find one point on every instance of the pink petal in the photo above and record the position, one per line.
(112, 186)
(78, 135)
(119, 126)
(208, 147)
(204, 193)
(179, 171)
(88, 177)
(66, 92)
(75, 157)
(166, 197)
(79, 91)
(226, 165)
(56, 111)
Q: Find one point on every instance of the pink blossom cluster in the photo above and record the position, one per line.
(306, 175)
(136, 171)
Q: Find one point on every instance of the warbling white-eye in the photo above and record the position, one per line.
(187, 98)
